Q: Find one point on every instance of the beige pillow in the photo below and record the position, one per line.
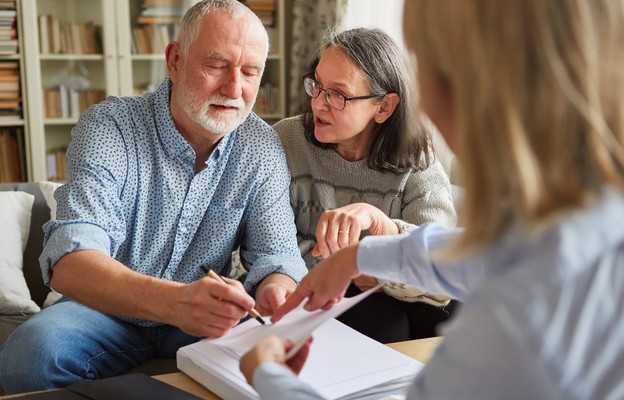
(48, 188)
(15, 210)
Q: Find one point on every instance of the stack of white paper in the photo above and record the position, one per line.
(342, 361)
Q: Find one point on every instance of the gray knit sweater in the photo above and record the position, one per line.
(322, 180)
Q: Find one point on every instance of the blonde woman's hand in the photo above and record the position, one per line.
(343, 226)
(273, 349)
(324, 285)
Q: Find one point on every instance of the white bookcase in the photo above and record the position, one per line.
(115, 68)
(14, 140)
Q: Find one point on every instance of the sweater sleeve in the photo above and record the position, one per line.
(427, 198)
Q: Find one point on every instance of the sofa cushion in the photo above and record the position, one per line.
(8, 323)
(15, 213)
(40, 215)
(47, 189)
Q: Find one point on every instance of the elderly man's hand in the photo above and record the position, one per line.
(272, 292)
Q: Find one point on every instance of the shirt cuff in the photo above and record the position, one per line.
(397, 252)
(273, 381)
(68, 238)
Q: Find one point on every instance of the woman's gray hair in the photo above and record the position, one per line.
(189, 26)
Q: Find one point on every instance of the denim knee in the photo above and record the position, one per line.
(33, 358)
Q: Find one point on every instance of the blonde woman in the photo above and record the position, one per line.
(530, 95)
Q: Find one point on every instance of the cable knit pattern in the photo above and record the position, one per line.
(322, 180)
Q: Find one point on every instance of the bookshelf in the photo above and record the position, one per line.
(70, 53)
(77, 52)
(271, 101)
(13, 159)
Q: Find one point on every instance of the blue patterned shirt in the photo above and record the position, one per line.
(133, 193)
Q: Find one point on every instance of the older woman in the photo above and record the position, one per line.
(359, 168)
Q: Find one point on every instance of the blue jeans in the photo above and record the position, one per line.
(69, 342)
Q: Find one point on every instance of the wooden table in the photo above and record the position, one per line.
(420, 350)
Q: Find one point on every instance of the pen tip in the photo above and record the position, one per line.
(261, 320)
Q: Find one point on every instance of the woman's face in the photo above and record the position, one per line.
(353, 127)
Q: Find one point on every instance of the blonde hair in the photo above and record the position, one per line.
(538, 91)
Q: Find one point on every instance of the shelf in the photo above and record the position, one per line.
(60, 121)
(114, 70)
(148, 57)
(11, 122)
(71, 57)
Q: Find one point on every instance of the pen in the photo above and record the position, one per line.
(253, 312)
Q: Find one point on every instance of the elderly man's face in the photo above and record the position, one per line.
(218, 80)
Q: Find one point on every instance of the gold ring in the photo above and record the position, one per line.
(341, 232)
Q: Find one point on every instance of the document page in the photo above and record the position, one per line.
(297, 326)
(341, 362)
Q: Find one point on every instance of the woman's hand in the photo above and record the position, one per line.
(343, 226)
(324, 285)
(273, 349)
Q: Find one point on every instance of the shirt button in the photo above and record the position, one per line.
(183, 229)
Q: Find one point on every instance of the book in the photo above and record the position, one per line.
(342, 363)
(146, 19)
(11, 160)
(44, 41)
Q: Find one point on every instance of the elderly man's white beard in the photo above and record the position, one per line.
(216, 122)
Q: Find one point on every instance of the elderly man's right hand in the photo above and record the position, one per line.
(208, 308)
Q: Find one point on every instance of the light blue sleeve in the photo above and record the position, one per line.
(62, 239)
(274, 382)
(270, 242)
(90, 215)
(411, 259)
(488, 353)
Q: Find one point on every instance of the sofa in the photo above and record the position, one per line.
(42, 206)
(9, 321)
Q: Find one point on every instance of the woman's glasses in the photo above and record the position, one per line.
(335, 99)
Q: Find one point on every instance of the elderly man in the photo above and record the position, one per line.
(161, 187)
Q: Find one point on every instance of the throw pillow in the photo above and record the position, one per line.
(15, 210)
(48, 188)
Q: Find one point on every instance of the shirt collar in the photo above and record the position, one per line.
(173, 143)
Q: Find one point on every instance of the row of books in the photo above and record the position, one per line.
(56, 164)
(161, 12)
(152, 38)
(8, 28)
(267, 101)
(156, 25)
(12, 163)
(10, 99)
(59, 37)
(64, 102)
(264, 9)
